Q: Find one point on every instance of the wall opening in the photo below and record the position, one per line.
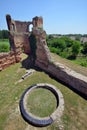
(30, 27)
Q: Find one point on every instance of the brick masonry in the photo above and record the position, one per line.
(7, 59)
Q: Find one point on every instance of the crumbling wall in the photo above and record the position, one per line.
(42, 51)
(64, 74)
(7, 59)
(67, 76)
(38, 22)
(18, 34)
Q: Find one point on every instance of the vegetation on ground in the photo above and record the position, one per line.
(4, 42)
(75, 109)
(39, 100)
(4, 45)
(3, 34)
(68, 48)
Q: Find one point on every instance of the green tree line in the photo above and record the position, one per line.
(3, 34)
(66, 47)
(4, 42)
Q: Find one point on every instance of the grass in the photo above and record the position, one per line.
(75, 112)
(81, 61)
(4, 45)
(4, 41)
(41, 102)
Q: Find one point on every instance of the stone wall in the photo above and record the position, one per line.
(7, 59)
(19, 34)
(37, 22)
(42, 51)
(22, 43)
(65, 75)
(62, 73)
(69, 77)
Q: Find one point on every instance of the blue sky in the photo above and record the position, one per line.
(60, 16)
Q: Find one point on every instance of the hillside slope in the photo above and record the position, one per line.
(11, 89)
(68, 63)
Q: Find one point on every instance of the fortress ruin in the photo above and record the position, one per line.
(34, 44)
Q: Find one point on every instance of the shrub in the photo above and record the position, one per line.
(75, 48)
(53, 49)
(64, 54)
(83, 64)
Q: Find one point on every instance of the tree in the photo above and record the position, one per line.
(0, 34)
(58, 43)
(68, 41)
(3, 34)
(75, 48)
(84, 51)
(50, 36)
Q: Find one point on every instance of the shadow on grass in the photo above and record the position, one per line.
(28, 63)
(71, 57)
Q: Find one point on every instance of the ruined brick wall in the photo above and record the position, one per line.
(22, 43)
(7, 59)
(61, 72)
(42, 51)
(22, 26)
(67, 76)
(37, 22)
(18, 34)
(18, 37)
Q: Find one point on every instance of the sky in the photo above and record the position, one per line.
(59, 16)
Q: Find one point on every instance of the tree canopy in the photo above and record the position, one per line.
(3, 34)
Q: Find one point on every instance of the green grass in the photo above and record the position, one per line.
(4, 41)
(4, 45)
(41, 102)
(81, 61)
(75, 111)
